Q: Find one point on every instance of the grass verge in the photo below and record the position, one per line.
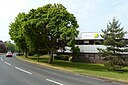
(96, 70)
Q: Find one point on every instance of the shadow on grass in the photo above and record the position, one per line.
(67, 64)
(45, 60)
(82, 66)
(122, 71)
(75, 65)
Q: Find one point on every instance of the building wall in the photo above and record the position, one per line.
(91, 58)
(87, 42)
(90, 48)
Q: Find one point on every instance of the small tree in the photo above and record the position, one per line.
(115, 46)
(10, 46)
(75, 52)
(2, 47)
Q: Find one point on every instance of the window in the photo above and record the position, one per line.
(89, 42)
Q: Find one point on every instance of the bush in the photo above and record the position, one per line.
(115, 63)
(31, 53)
(58, 57)
(62, 57)
(76, 51)
(111, 66)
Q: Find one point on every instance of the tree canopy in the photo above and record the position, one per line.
(16, 32)
(47, 27)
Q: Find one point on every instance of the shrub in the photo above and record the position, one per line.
(62, 57)
(76, 51)
(115, 63)
(58, 57)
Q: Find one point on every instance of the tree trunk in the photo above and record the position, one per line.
(38, 56)
(26, 52)
(51, 57)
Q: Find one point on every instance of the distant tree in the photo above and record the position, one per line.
(10, 46)
(115, 46)
(2, 47)
(16, 32)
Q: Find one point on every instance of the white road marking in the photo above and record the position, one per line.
(54, 82)
(7, 63)
(23, 70)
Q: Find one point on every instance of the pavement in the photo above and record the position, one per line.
(17, 72)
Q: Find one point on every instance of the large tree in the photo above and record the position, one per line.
(10, 46)
(49, 25)
(16, 32)
(62, 26)
(34, 32)
(115, 45)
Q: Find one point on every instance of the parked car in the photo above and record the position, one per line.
(9, 54)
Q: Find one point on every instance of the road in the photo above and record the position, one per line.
(17, 72)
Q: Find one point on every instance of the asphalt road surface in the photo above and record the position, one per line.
(17, 72)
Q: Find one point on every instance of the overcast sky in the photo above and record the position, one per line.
(92, 15)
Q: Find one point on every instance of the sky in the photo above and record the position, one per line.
(91, 15)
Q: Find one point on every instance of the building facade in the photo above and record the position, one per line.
(88, 42)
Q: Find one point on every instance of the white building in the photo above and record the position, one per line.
(88, 42)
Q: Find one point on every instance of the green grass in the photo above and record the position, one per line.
(97, 70)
